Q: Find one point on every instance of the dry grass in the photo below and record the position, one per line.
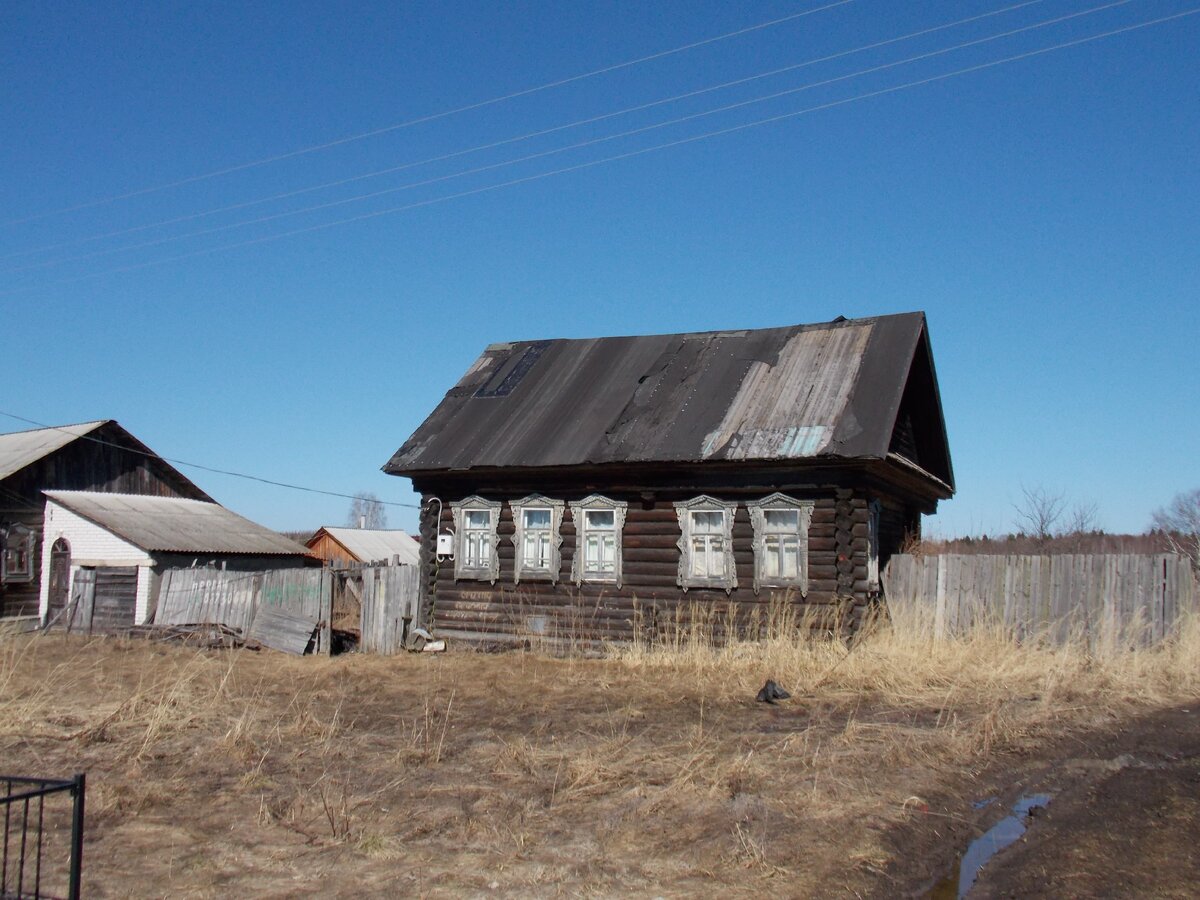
(651, 770)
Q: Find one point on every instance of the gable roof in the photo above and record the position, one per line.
(22, 448)
(832, 389)
(172, 525)
(373, 544)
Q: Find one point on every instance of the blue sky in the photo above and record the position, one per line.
(1042, 212)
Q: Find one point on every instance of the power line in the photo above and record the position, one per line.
(291, 154)
(622, 156)
(494, 144)
(180, 462)
(576, 146)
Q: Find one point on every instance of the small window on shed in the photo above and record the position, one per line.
(706, 544)
(16, 562)
(475, 523)
(537, 520)
(598, 526)
(780, 541)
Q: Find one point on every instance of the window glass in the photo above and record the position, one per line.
(782, 519)
(600, 518)
(537, 518)
(708, 522)
(478, 518)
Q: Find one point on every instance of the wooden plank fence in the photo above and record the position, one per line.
(1111, 598)
(389, 602)
(212, 596)
(390, 605)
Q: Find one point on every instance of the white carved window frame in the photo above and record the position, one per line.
(758, 520)
(491, 571)
(18, 544)
(579, 511)
(727, 581)
(518, 507)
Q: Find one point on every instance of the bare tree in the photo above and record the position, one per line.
(1179, 520)
(366, 511)
(1082, 521)
(1084, 518)
(1039, 513)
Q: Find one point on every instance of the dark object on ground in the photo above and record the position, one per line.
(771, 692)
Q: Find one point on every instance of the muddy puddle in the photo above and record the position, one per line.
(1003, 834)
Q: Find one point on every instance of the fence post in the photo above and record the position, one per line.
(77, 793)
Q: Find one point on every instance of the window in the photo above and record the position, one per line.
(706, 544)
(475, 521)
(598, 525)
(16, 563)
(781, 541)
(536, 520)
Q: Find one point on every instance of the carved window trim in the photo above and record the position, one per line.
(579, 511)
(490, 570)
(684, 510)
(17, 560)
(758, 520)
(519, 508)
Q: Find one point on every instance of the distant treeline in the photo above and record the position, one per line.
(1091, 542)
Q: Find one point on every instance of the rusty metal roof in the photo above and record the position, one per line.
(801, 392)
(172, 525)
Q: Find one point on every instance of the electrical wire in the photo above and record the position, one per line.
(180, 462)
(510, 140)
(291, 154)
(622, 156)
(576, 146)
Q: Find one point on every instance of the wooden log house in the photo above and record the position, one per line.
(592, 489)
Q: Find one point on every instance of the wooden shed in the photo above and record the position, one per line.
(96, 456)
(591, 488)
(120, 544)
(347, 546)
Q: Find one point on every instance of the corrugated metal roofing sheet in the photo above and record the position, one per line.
(373, 545)
(830, 389)
(22, 448)
(171, 525)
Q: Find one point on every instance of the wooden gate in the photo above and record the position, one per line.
(390, 604)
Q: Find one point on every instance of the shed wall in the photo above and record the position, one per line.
(91, 546)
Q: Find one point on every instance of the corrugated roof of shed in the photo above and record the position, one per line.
(826, 390)
(372, 545)
(19, 449)
(172, 525)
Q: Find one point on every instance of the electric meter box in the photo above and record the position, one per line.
(445, 545)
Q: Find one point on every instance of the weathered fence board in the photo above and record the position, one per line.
(208, 596)
(281, 630)
(1129, 597)
(217, 597)
(390, 603)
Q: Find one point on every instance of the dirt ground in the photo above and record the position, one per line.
(220, 772)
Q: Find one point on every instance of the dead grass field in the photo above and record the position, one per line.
(650, 772)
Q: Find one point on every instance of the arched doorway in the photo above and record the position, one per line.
(60, 578)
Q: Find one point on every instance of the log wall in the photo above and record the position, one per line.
(649, 601)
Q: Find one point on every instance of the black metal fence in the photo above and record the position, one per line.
(35, 828)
